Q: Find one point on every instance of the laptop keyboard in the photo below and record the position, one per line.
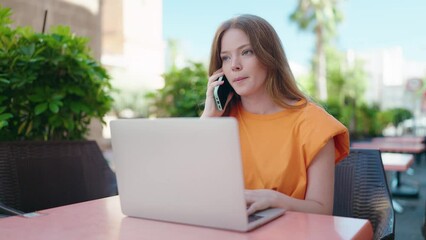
(253, 218)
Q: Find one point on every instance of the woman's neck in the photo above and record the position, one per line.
(263, 105)
(260, 106)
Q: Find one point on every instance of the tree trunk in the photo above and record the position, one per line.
(320, 66)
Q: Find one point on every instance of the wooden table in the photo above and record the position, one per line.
(398, 163)
(398, 147)
(102, 219)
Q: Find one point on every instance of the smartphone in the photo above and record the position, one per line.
(221, 93)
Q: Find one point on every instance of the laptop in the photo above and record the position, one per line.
(183, 170)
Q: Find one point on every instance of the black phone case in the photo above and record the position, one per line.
(222, 93)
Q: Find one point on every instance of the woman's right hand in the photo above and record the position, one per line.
(210, 109)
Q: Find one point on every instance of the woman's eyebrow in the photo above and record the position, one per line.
(240, 47)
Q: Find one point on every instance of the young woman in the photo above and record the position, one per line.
(289, 145)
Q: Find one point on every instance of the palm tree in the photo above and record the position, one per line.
(173, 46)
(321, 17)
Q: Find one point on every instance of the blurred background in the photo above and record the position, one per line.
(364, 61)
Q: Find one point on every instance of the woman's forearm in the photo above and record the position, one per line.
(293, 204)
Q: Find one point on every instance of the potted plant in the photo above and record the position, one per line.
(50, 89)
(50, 85)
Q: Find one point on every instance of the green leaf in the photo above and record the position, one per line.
(69, 124)
(57, 96)
(36, 98)
(61, 30)
(5, 116)
(75, 107)
(5, 14)
(57, 37)
(57, 102)
(54, 107)
(4, 80)
(3, 124)
(55, 120)
(40, 108)
(27, 32)
(85, 108)
(28, 50)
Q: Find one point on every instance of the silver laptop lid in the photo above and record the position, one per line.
(185, 170)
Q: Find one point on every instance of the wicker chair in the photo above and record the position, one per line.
(424, 224)
(361, 191)
(40, 175)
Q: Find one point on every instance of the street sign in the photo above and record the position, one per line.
(414, 84)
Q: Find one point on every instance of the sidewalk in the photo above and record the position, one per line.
(409, 223)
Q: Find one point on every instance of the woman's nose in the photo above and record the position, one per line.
(236, 65)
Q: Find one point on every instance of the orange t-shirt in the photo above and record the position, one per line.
(278, 148)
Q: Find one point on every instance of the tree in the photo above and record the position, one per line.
(321, 17)
(173, 46)
(346, 77)
(183, 93)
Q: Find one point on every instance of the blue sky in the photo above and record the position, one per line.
(367, 25)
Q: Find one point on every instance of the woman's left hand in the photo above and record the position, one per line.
(260, 199)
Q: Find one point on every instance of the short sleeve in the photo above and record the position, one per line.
(317, 128)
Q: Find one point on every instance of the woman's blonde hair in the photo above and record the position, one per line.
(280, 82)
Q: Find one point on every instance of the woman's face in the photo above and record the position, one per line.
(246, 74)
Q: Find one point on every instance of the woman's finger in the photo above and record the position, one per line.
(252, 209)
(215, 76)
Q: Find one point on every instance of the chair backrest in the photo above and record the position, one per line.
(40, 175)
(361, 191)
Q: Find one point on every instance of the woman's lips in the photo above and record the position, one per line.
(239, 79)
